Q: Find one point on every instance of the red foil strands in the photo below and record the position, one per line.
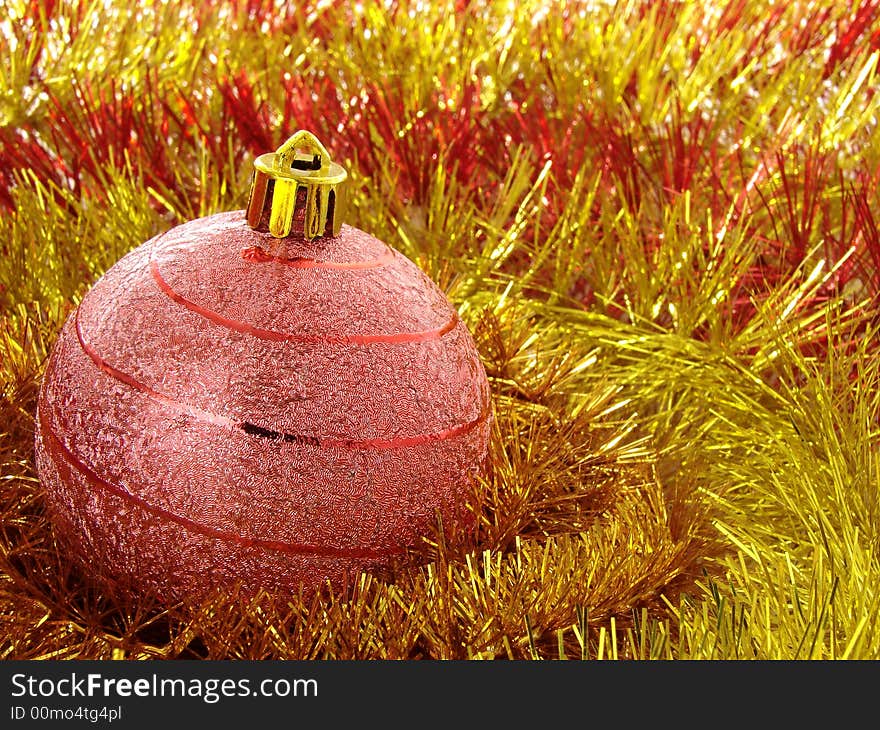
(229, 409)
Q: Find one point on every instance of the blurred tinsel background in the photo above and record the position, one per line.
(659, 220)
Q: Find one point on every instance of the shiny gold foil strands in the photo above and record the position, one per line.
(298, 180)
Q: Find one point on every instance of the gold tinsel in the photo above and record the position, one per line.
(657, 219)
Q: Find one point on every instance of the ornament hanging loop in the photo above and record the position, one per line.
(297, 182)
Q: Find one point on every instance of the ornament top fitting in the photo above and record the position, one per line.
(297, 182)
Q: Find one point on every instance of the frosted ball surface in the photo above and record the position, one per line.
(225, 408)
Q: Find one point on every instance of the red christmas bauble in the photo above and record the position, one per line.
(230, 408)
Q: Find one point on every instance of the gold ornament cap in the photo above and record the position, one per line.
(297, 181)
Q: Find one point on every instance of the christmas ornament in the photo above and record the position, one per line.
(266, 398)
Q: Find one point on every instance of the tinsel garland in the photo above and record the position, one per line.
(659, 220)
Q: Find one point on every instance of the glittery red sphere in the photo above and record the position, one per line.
(225, 408)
